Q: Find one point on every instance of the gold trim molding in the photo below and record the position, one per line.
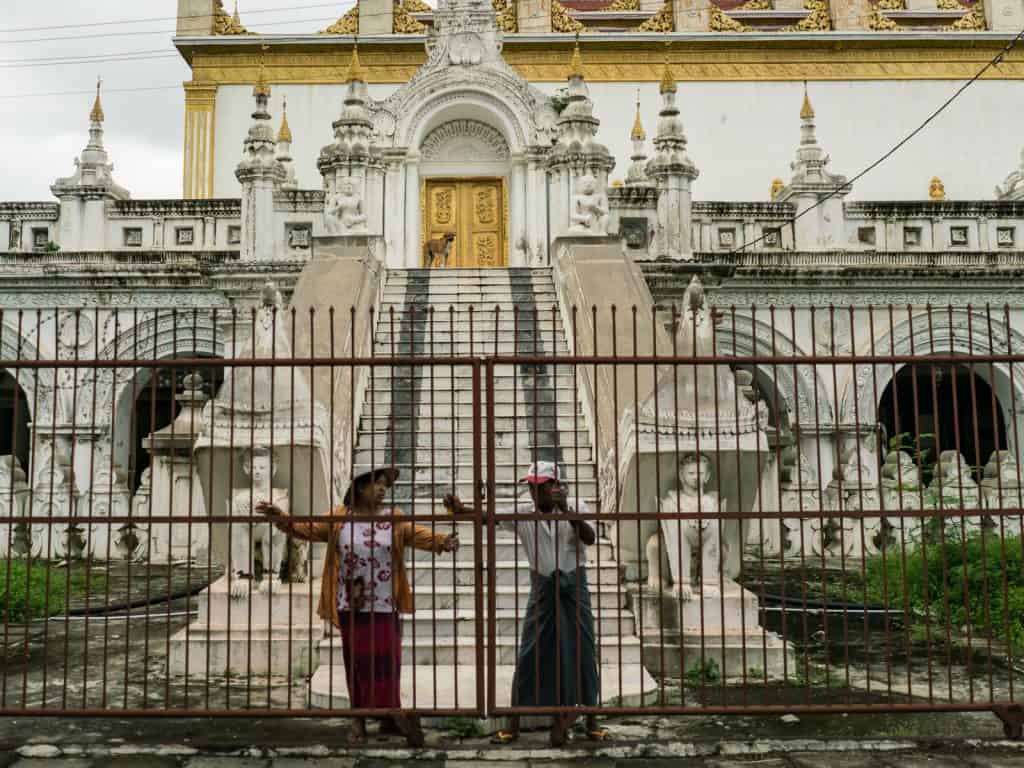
(721, 60)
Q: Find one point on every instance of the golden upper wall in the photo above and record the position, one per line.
(720, 16)
(735, 58)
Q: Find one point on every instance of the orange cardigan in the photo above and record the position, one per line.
(405, 534)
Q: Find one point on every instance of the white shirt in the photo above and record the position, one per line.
(549, 545)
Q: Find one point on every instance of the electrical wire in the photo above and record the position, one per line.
(168, 33)
(115, 22)
(90, 91)
(899, 145)
(92, 60)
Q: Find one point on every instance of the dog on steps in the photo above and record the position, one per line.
(436, 250)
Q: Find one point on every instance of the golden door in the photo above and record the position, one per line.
(472, 209)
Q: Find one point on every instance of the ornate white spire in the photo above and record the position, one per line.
(353, 131)
(259, 173)
(352, 165)
(93, 167)
(284, 151)
(811, 185)
(809, 167)
(577, 143)
(636, 175)
(259, 160)
(673, 172)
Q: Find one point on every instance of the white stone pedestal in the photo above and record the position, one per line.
(261, 633)
(719, 624)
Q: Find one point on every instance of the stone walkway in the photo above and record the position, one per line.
(781, 755)
(824, 741)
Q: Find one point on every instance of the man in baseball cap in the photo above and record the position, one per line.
(557, 664)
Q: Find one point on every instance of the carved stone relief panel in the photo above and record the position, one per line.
(464, 141)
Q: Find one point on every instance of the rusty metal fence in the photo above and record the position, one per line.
(758, 510)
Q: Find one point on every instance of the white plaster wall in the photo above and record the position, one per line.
(742, 134)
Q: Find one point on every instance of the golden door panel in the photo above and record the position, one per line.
(472, 209)
(441, 215)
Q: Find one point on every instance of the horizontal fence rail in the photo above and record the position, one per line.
(694, 509)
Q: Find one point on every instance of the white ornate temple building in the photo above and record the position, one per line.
(327, 163)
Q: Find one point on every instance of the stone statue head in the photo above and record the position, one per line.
(694, 471)
(258, 465)
(587, 185)
(346, 187)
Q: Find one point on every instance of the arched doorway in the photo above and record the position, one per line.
(15, 416)
(149, 403)
(937, 407)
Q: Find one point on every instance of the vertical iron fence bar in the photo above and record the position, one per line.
(822, 516)
(798, 429)
(492, 571)
(781, 525)
(660, 597)
(8, 565)
(862, 522)
(980, 467)
(478, 564)
(916, 408)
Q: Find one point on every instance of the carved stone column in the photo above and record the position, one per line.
(376, 17)
(1004, 15)
(850, 14)
(691, 15)
(533, 15)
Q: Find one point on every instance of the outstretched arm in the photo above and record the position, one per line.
(307, 530)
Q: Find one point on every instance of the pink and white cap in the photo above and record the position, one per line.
(541, 472)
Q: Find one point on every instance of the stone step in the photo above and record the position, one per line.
(526, 449)
(507, 376)
(483, 307)
(503, 473)
(522, 455)
(469, 274)
(447, 571)
(428, 597)
(446, 345)
(425, 651)
(522, 395)
(523, 423)
(506, 549)
(427, 624)
(528, 295)
(241, 651)
(463, 488)
(282, 605)
(381, 438)
(450, 686)
(506, 323)
(543, 408)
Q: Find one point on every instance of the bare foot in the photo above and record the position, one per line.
(410, 727)
(357, 736)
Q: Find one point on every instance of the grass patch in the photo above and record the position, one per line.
(23, 589)
(977, 582)
(464, 728)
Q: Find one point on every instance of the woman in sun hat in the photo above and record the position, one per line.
(365, 589)
(557, 663)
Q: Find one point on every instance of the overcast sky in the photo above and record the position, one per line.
(972, 146)
(42, 134)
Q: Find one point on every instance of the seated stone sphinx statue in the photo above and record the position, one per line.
(249, 537)
(344, 210)
(680, 539)
(589, 213)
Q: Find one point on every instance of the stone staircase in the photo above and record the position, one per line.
(421, 418)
